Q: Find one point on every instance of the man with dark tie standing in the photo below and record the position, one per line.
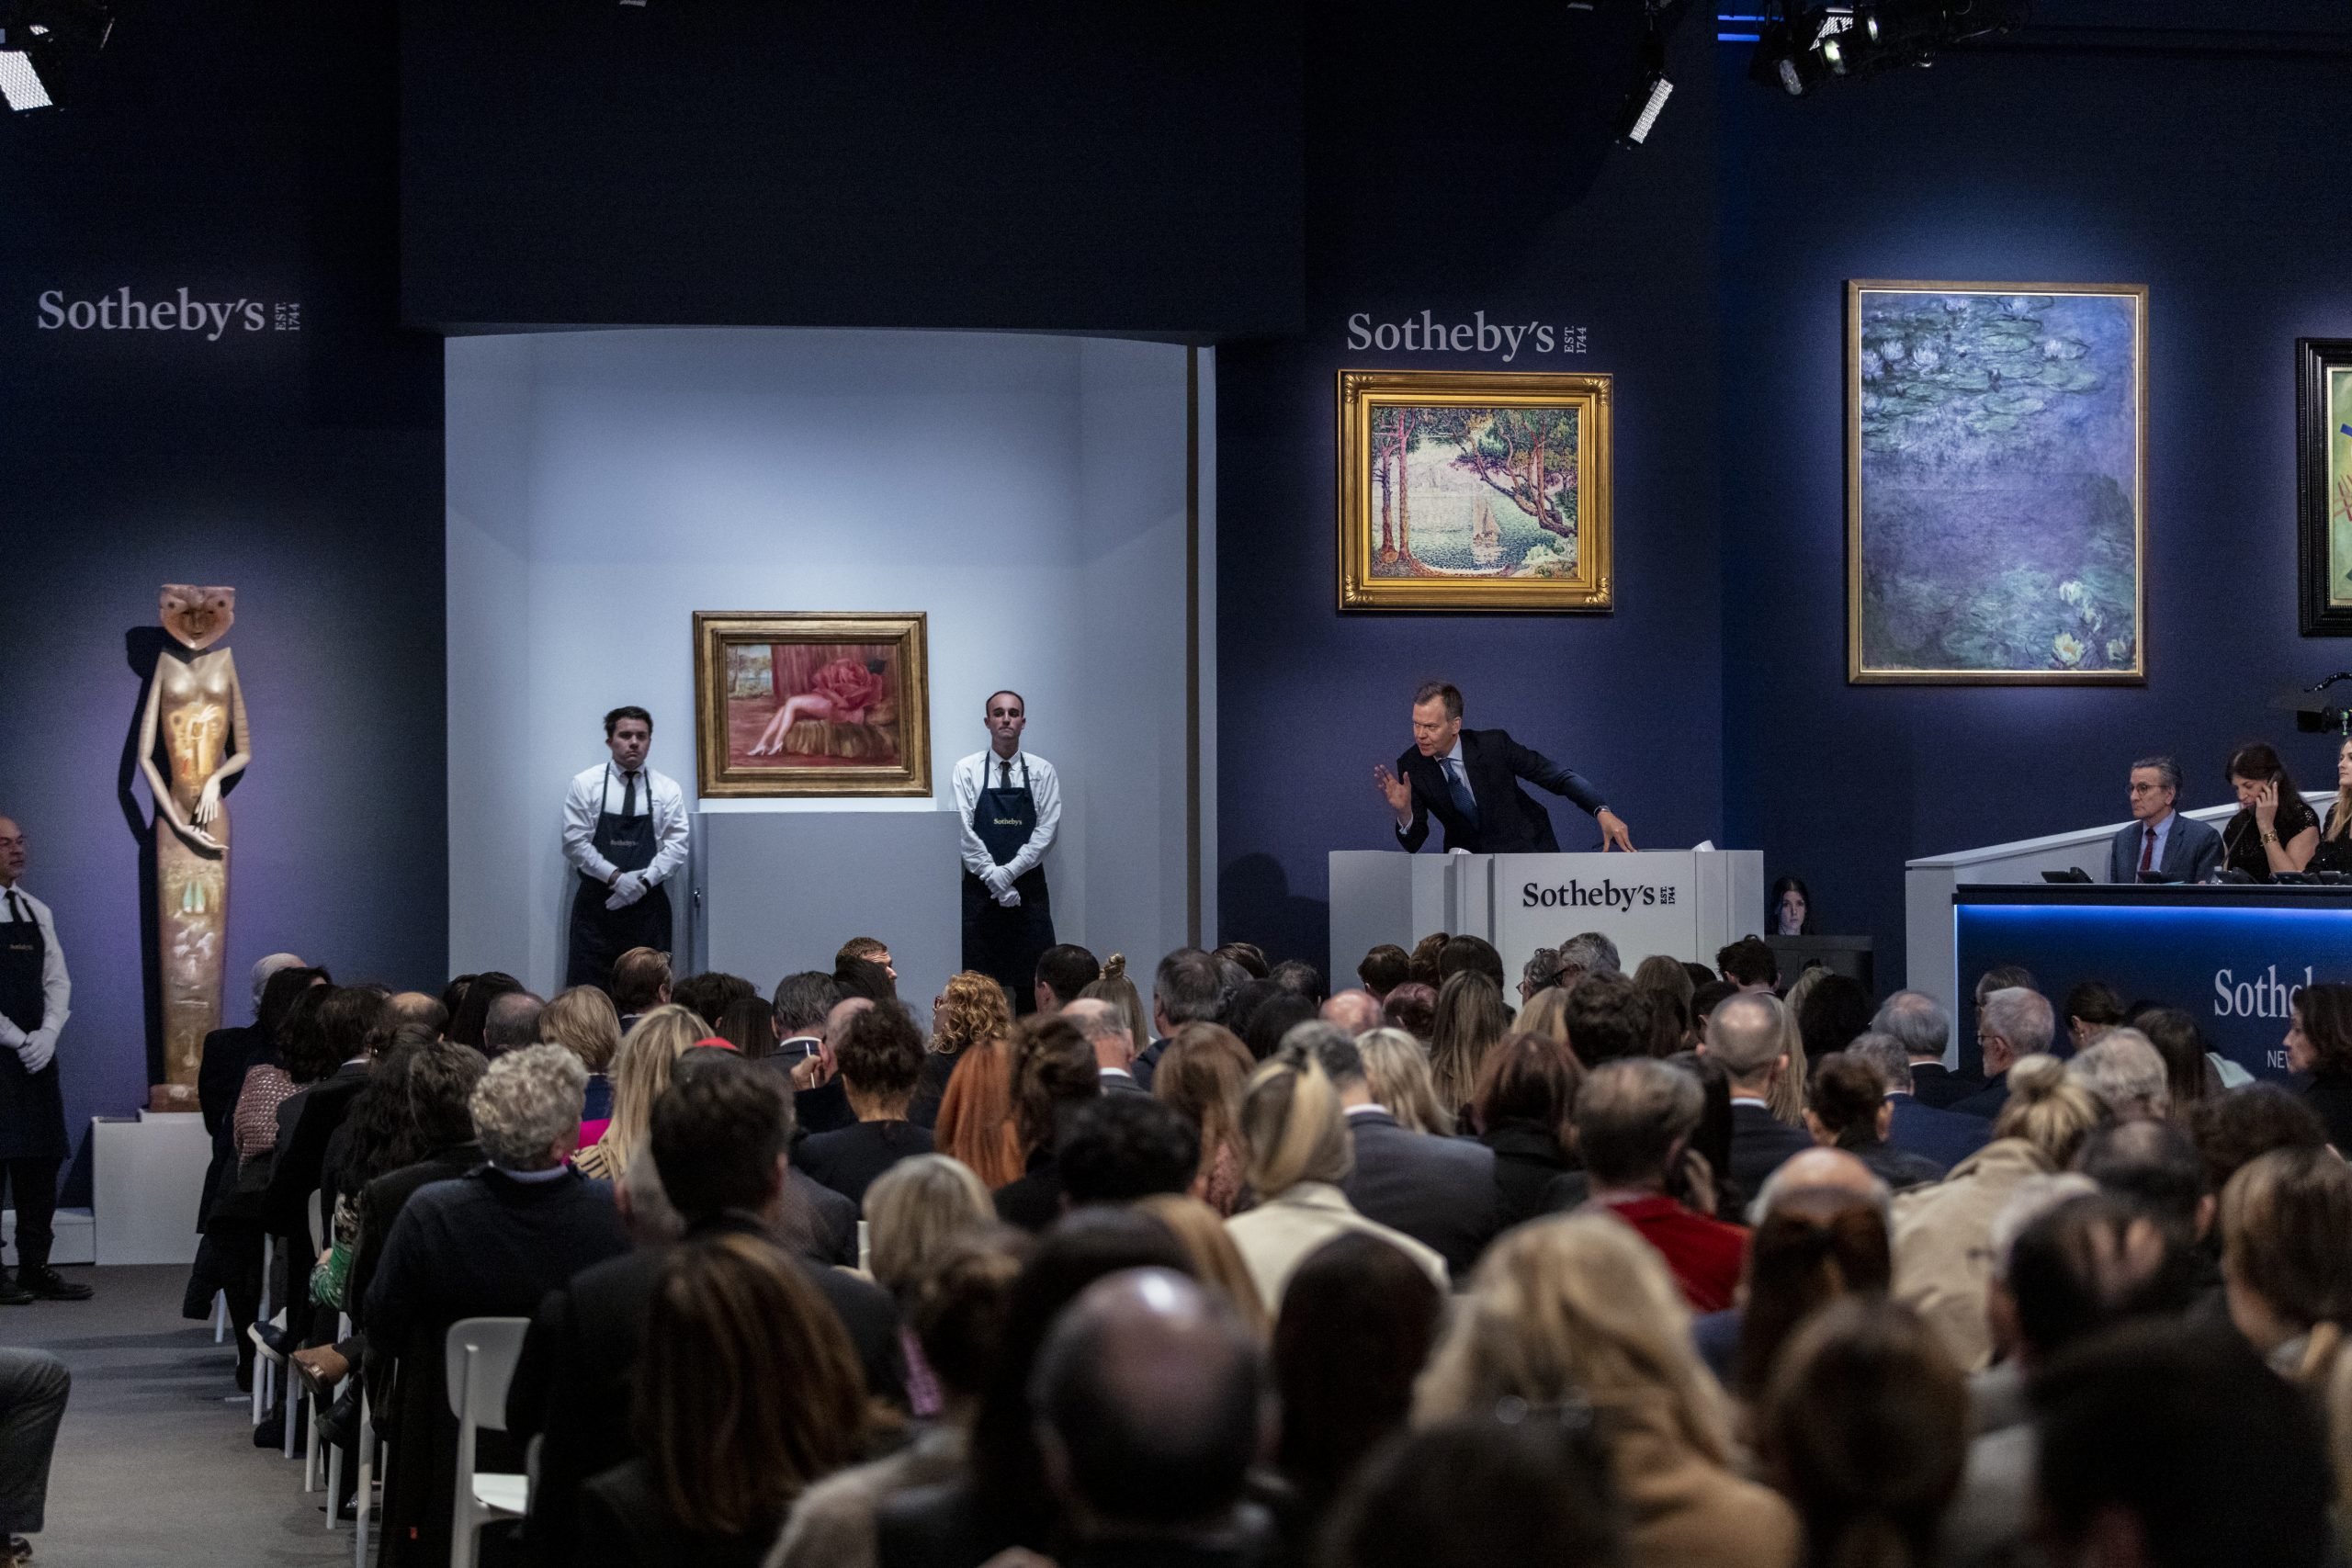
(624, 833)
(1468, 780)
(34, 996)
(2160, 839)
(1010, 801)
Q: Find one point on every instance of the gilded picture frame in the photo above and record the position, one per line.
(1996, 483)
(1510, 474)
(811, 703)
(2323, 484)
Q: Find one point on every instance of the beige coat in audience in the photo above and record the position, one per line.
(1943, 1263)
(1275, 1237)
(1684, 1512)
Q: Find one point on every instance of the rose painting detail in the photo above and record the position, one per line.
(793, 704)
(1996, 456)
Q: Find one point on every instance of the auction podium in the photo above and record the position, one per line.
(1686, 903)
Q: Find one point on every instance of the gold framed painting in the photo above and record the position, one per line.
(1996, 483)
(2324, 443)
(1475, 491)
(794, 703)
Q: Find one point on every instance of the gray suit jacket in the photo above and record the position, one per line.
(1439, 1191)
(2191, 851)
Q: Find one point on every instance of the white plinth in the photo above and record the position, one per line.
(149, 1179)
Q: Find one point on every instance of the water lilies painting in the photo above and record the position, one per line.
(1996, 482)
(1474, 490)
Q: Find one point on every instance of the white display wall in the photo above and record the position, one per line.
(1026, 492)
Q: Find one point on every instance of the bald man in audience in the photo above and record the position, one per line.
(512, 1022)
(1113, 1042)
(1356, 1010)
(1745, 1034)
(416, 1007)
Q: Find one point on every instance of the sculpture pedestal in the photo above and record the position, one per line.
(148, 1178)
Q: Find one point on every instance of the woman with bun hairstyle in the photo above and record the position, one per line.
(1943, 1231)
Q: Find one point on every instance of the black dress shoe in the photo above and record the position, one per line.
(15, 1295)
(49, 1285)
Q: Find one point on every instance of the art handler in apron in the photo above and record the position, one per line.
(1012, 805)
(625, 856)
(35, 993)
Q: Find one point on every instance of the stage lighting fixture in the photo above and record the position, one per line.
(1800, 46)
(1651, 89)
(46, 47)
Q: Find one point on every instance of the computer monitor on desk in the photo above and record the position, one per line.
(1847, 955)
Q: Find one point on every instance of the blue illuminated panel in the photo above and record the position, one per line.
(2233, 958)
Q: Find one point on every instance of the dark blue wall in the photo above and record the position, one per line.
(1455, 180)
(244, 152)
(2205, 179)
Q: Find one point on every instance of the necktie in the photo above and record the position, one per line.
(17, 907)
(1459, 787)
(628, 796)
(2147, 849)
(1004, 772)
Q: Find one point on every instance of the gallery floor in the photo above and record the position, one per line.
(155, 1464)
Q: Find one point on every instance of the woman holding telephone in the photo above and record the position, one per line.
(2274, 830)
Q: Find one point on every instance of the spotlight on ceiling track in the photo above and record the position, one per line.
(47, 47)
(1800, 46)
(1648, 99)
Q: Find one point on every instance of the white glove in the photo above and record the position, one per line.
(628, 888)
(39, 1049)
(999, 880)
(1009, 899)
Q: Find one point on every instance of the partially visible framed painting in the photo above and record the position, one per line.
(794, 703)
(1473, 491)
(2323, 454)
(1996, 483)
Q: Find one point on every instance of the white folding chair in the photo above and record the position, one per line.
(363, 1494)
(263, 1365)
(301, 1292)
(220, 1317)
(479, 1356)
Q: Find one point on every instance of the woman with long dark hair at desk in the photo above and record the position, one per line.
(2274, 830)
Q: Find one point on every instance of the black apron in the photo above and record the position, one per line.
(1003, 943)
(32, 1112)
(599, 936)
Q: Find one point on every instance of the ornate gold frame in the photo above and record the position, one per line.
(1856, 674)
(1591, 591)
(715, 629)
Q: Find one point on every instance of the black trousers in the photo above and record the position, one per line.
(33, 1191)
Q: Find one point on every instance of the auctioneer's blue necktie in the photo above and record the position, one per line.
(1459, 787)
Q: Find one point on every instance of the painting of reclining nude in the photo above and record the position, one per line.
(801, 703)
(1468, 491)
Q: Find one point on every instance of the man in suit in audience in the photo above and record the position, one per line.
(1744, 1034)
(1439, 1191)
(2159, 839)
(718, 1137)
(1634, 1120)
(1945, 1136)
(1186, 989)
(1064, 970)
(2013, 1022)
(1919, 1022)
(1106, 1027)
(1468, 779)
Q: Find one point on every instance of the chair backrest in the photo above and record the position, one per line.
(479, 1355)
(318, 1232)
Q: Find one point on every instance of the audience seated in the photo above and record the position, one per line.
(1522, 1113)
(2125, 1071)
(1216, 1262)
(1850, 1112)
(1356, 1011)
(2011, 1023)
(1113, 985)
(1470, 1019)
(469, 1019)
(880, 1060)
(1746, 1035)
(1441, 1191)
(1633, 1120)
(1201, 1077)
(1112, 1039)
(1053, 1075)
(1273, 1017)
(747, 1391)
(1297, 1138)
(969, 1011)
(1411, 1007)
(583, 1021)
(1301, 978)
(1865, 1429)
(1588, 952)
(1479, 1491)
(2231, 1130)
(1608, 1016)
(511, 1022)
(976, 1122)
(1813, 1245)
(1920, 1023)
(409, 1007)
(351, 1025)
(1717, 1335)
(640, 1073)
(1748, 964)
(915, 1211)
(1576, 1313)
(2319, 1043)
(1118, 1147)
(1833, 1015)
(1470, 955)
(707, 995)
(489, 1244)
(1063, 971)
(2191, 1073)
(1383, 969)
(1185, 988)
(2289, 1291)
(717, 1136)
(1942, 1254)
(1946, 1137)
(641, 984)
(1541, 972)
(803, 1005)
(1249, 955)
(1396, 1067)
(2092, 1008)
(748, 1024)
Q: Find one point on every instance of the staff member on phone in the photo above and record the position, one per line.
(2274, 830)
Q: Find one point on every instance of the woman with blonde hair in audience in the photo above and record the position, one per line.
(1787, 1095)
(1546, 1013)
(970, 1012)
(2287, 1259)
(583, 1021)
(1943, 1231)
(1396, 1067)
(1114, 987)
(914, 1211)
(1200, 1076)
(1216, 1262)
(640, 1072)
(1579, 1312)
(1470, 1019)
(1296, 1138)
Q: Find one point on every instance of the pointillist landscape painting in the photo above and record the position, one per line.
(1995, 470)
(1474, 490)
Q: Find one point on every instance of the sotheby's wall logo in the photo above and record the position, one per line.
(182, 312)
